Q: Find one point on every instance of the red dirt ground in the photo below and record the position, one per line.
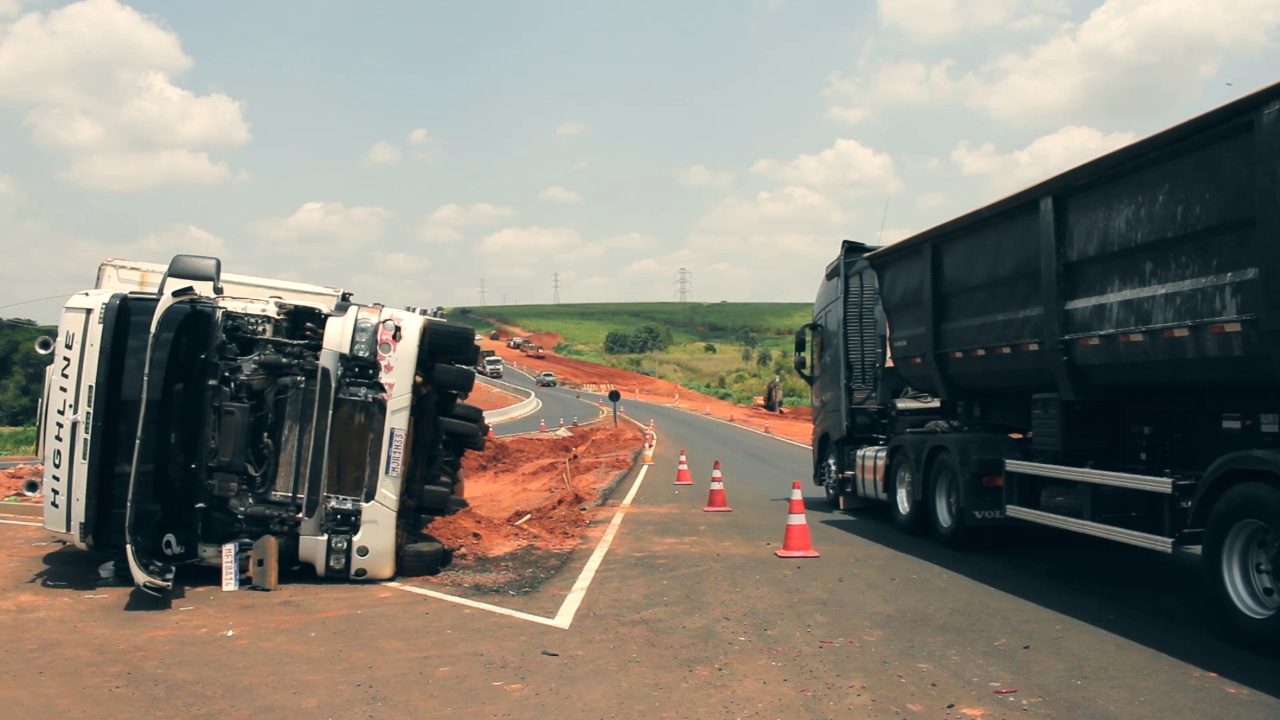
(555, 480)
(11, 482)
(487, 397)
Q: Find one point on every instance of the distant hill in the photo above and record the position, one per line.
(729, 350)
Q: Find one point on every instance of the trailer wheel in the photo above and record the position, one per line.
(944, 504)
(907, 514)
(424, 558)
(1241, 553)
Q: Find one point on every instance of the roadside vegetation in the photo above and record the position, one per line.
(18, 440)
(21, 370)
(726, 350)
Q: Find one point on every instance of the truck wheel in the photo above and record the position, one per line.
(944, 505)
(424, 558)
(828, 476)
(907, 514)
(451, 342)
(467, 412)
(452, 377)
(1241, 552)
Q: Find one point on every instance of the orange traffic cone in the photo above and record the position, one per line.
(561, 423)
(796, 543)
(716, 500)
(767, 431)
(646, 458)
(683, 476)
(730, 416)
(490, 433)
(542, 426)
(708, 411)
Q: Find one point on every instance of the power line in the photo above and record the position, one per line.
(555, 288)
(482, 293)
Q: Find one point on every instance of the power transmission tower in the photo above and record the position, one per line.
(482, 292)
(555, 288)
(684, 284)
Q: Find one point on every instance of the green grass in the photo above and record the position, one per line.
(722, 374)
(18, 441)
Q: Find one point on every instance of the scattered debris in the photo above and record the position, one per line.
(550, 654)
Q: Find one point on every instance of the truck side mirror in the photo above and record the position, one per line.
(800, 361)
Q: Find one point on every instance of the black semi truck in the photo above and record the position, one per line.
(1098, 353)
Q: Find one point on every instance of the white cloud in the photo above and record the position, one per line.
(702, 176)
(134, 171)
(399, 263)
(528, 252)
(890, 85)
(447, 222)
(162, 245)
(846, 166)
(629, 241)
(555, 193)
(570, 127)
(419, 136)
(926, 21)
(11, 194)
(382, 153)
(1044, 157)
(9, 8)
(1129, 57)
(326, 229)
(789, 209)
(95, 81)
(581, 165)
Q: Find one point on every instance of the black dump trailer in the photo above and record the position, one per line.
(1099, 353)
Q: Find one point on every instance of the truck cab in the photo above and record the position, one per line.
(493, 366)
(184, 419)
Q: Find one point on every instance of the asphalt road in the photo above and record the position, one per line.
(690, 615)
(558, 404)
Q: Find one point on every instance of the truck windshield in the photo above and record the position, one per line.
(112, 416)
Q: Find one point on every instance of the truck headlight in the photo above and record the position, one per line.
(339, 543)
(337, 562)
(362, 339)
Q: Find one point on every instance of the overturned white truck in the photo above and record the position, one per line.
(186, 410)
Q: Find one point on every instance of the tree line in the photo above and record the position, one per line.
(21, 371)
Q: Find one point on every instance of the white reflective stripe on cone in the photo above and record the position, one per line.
(796, 520)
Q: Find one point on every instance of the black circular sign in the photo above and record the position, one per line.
(614, 395)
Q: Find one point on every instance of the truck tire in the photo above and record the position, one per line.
(827, 474)
(446, 378)
(943, 494)
(907, 513)
(450, 342)
(423, 558)
(1241, 552)
(468, 413)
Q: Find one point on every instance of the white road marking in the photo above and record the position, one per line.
(22, 522)
(569, 608)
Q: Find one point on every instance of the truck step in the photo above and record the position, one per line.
(1098, 477)
(1130, 537)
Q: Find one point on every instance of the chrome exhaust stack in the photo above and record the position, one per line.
(44, 345)
(32, 487)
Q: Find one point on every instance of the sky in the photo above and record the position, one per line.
(433, 153)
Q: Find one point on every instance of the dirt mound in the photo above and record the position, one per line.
(539, 491)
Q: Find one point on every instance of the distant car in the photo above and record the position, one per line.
(546, 379)
(479, 337)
